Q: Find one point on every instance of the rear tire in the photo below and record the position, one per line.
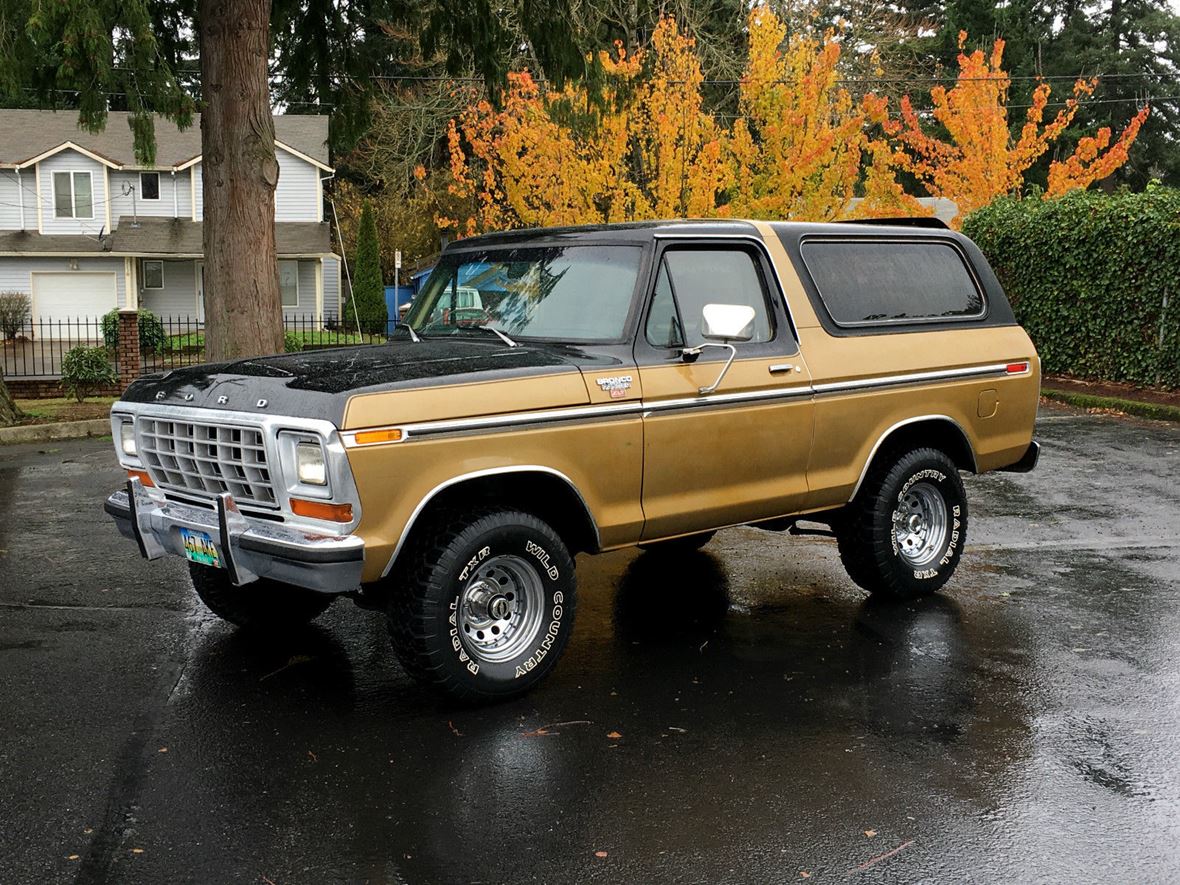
(259, 604)
(683, 544)
(484, 605)
(903, 534)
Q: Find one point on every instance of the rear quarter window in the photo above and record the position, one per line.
(869, 282)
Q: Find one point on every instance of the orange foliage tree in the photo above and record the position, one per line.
(643, 145)
(981, 159)
(646, 147)
(803, 145)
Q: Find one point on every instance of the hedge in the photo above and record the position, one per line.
(1094, 278)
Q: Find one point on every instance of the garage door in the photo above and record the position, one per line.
(69, 305)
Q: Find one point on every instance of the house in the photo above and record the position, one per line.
(85, 228)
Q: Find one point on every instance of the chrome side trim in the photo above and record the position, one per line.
(720, 399)
(477, 474)
(648, 407)
(997, 369)
(543, 416)
(877, 445)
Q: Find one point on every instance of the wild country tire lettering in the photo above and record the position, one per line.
(548, 640)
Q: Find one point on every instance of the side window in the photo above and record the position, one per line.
(871, 282)
(713, 276)
(663, 325)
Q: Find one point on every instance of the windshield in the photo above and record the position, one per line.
(562, 293)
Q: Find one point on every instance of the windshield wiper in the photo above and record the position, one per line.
(413, 335)
(502, 336)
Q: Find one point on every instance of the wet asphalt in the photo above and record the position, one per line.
(740, 715)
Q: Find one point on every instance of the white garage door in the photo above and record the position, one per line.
(69, 305)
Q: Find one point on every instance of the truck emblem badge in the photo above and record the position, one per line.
(188, 397)
(160, 394)
(222, 400)
(262, 404)
(617, 386)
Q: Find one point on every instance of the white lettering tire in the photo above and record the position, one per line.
(903, 534)
(483, 604)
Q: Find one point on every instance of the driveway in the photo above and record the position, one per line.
(741, 715)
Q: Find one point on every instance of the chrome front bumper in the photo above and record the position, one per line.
(249, 548)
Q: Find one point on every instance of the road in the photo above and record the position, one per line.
(742, 715)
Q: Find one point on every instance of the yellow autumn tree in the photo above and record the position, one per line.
(981, 160)
(644, 146)
(1094, 158)
(802, 146)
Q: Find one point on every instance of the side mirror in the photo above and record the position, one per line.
(728, 322)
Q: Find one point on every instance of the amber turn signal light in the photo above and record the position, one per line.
(321, 510)
(369, 437)
(142, 477)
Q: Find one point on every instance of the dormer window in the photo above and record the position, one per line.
(73, 195)
(149, 185)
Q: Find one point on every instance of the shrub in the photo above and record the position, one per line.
(152, 337)
(15, 308)
(368, 288)
(292, 342)
(1094, 278)
(85, 368)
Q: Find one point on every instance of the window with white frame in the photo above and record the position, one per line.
(153, 274)
(289, 283)
(149, 185)
(73, 195)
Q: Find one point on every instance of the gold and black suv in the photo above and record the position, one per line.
(579, 390)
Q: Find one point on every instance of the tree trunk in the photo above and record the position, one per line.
(243, 312)
(9, 413)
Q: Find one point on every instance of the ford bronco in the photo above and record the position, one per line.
(564, 391)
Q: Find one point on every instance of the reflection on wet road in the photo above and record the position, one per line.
(742, 714)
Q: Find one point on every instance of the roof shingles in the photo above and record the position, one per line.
(162, 237)
(25, 134)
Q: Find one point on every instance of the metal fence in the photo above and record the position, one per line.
(166, 342)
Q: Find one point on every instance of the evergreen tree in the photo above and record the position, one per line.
(368, 289)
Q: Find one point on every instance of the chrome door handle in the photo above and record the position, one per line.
(778, 368)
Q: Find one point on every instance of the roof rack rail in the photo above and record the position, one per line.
(910, 221)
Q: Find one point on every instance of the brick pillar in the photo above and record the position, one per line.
(128, 350)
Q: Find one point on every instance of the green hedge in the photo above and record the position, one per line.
(1088, 275)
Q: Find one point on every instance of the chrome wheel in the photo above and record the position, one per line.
(920, 524)
(501, 609)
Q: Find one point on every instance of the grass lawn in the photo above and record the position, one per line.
(44, 411)
(309, 338)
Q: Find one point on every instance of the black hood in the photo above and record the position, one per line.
(317, 383)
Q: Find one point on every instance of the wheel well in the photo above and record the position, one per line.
(933, 433)
(546, 496)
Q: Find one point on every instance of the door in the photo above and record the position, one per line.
(737, 453)
(69, 305)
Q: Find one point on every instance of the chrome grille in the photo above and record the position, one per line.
(207, 459)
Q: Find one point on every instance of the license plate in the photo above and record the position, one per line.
(198, 547)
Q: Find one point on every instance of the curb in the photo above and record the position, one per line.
(1138, 408)
(31, 433)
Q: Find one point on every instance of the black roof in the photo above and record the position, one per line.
(633, 231)
(643, 231)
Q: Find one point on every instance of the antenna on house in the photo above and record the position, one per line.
(129, 189)
(344, 260)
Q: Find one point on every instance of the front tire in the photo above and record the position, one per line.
(484, 606)
(259, 604)
(903, 534)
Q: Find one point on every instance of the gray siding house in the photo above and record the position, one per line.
(84, 228)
